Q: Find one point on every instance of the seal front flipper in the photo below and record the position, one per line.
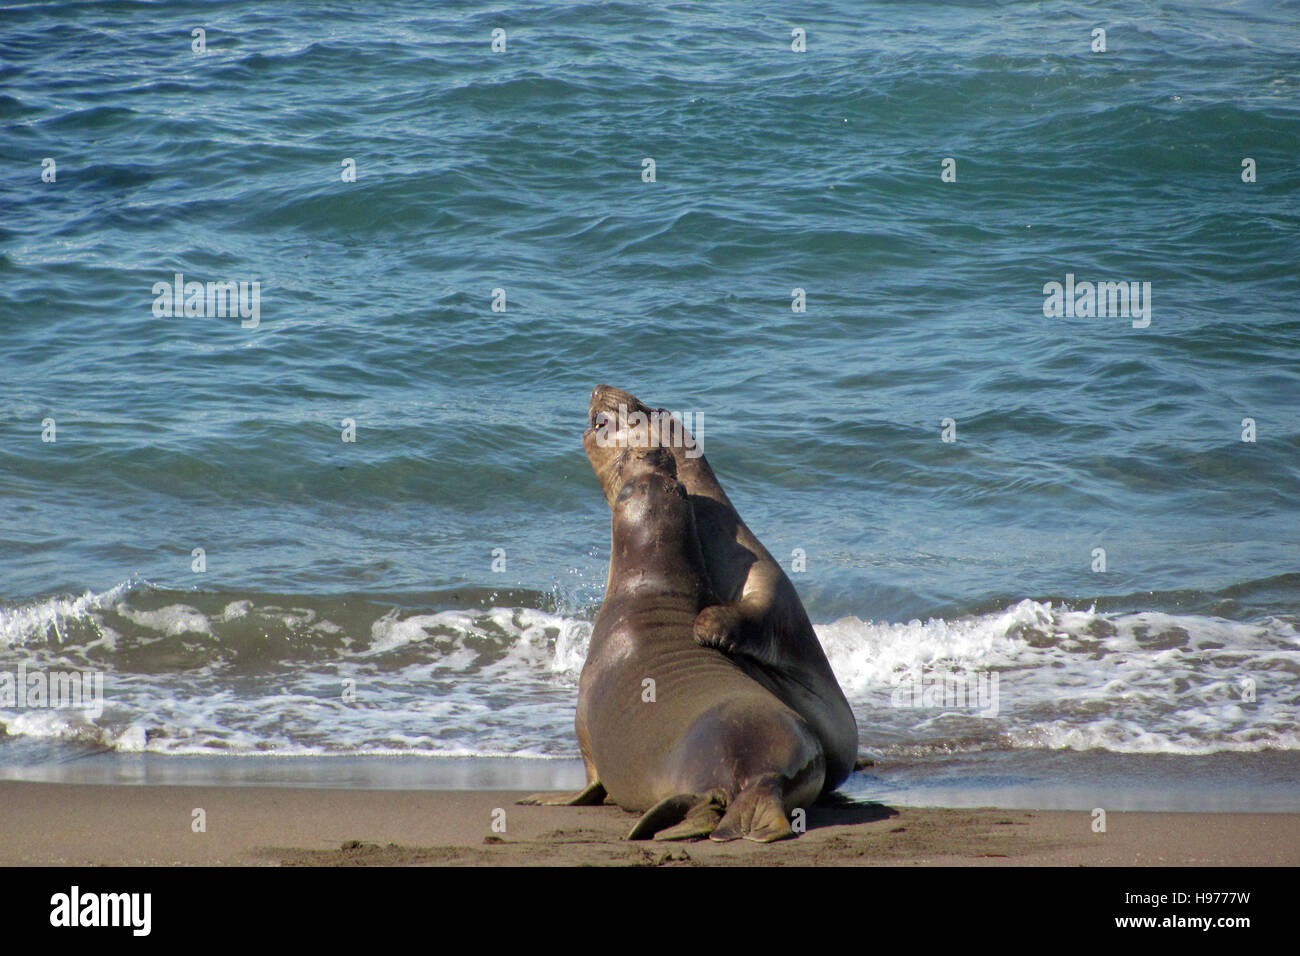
(685, 816)
(592, 795)
(734, 629)
(718, 626)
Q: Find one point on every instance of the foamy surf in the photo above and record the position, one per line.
(206, 674)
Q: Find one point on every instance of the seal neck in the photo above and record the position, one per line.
(658, 564)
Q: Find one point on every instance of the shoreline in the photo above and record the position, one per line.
(1067, 780)
(63, 824)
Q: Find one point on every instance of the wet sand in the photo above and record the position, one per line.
(86, 825)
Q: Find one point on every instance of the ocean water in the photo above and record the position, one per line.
(1107, 534)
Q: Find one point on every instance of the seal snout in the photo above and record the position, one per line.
(601, 407)
(611, 401)
(597, 403)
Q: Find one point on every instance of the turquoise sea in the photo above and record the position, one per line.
(839, 261)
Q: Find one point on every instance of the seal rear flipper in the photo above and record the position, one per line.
(685, 816)
(757, 813)
(592, 795)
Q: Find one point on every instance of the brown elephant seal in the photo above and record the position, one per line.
(759, 620)
(667, 725)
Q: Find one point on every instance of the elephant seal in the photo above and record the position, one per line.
(668, 725)
(759, 621)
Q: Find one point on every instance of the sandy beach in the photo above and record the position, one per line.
(97, 825)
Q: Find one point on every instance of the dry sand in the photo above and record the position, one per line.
(83, 824)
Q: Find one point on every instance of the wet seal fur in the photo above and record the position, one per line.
(668, 725)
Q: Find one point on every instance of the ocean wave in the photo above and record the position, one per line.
(193, 672)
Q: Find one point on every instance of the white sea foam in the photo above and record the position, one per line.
(171, 620)
(28, 622)
(1147, 682)
(503, 681)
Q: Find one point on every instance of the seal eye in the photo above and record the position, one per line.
(600, 420)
